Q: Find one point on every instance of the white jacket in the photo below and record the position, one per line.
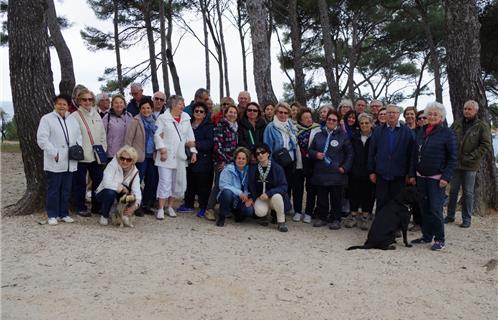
(167, 137)
(113, 178)
(96, 126)
(50, 138)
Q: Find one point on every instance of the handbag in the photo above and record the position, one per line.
(98, 149)
(283, 157)
(74, 152)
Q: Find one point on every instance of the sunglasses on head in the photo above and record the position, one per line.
(125, 159)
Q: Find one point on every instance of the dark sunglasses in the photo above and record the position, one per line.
(252, 110)
(86, 99)
(125, 159)
(421, 118)
(157, 98)
(258, 153)
(198, 111)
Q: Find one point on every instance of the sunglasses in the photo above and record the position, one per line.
(332, 119)
(258, 153)
(86, 99)
(421, 118)
(283, 112)
(125, 159)
(198, 111)
(159, 99)
(252, 110)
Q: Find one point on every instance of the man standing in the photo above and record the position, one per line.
(244, 98)
(389, 157)
(137, 92)
(360, 105)
(103, 103)
(201, 95)
(474, 140)
(159, 100)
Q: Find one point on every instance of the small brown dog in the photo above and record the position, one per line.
(118, 217)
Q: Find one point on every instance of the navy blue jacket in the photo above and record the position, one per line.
(276, 183)
(339, 151)
(360, 159)
(204, 145)
(132, 106)
(390, 165)
(435, 153)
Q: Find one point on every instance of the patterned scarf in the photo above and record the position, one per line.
(288, 130)
(264, 174)
(150, 128)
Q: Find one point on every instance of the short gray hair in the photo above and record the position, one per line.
(328, 106)
(174, 100)
(136, 85)
(365, 115)
(439, 107)
(472, 103)
(101, 96)
(346, 102)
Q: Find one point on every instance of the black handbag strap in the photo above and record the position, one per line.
(66, 132)
(179, 136)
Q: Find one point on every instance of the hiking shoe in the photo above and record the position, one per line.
(67, 219)
(449, 220)
(282, 227)
(201, 213)
(437, 246)
(221, 221)
(184, 209)
(209, 214)
(171, 212)
(307, 218)
(103, 221)
(362, 223)
(84, 213)
(350, 221)
(465, 224)
(160, 214)
(319, 223)
(335, 225)
(420, 241)
(52, 221)
(297, 217)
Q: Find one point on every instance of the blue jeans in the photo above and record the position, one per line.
(230, 202)
(148, 173)
(106, 198)
(96, 173)
(58, 191)
(466, 180)
(432, 209)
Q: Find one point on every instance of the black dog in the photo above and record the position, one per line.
(394, 216)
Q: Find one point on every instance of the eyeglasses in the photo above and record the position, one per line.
(258, 153)
(86, 99)
(198, 111)
(159, 99)
(421, 118)
(364, 123)
(252, 110)
(125, 159)
(332, 119)
(283, 112)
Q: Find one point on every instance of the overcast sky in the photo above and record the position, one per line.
(189, 59)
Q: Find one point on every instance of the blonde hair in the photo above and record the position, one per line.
(130, 151)
(120, 96)
(243, 150)
(284, 105)
(85, 91)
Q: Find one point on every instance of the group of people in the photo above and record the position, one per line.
(258, 160)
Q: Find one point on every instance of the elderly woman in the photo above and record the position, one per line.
(234, 194)
(421, 119)
(200, 173)
(295, 109)
(268, 112)
(140, 135)
(381, 117)
(333, 154)
(120, 177)
(224, 104)
(322, 114)
(103, 103)
(173, 137)
(410, 115)
(351, 123)
(115, 123)
(251, 127)
(56, 133)
(344, 106)
(362, 193)
(93, 134)
(433, 162)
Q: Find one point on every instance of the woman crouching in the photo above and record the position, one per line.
(120, 177)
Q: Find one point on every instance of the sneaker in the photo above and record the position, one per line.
(307, 218)
(335, 225)
(52, 221)
(297, 217)
(160, 214)
(84, 213)
(449, 219)
(362, 223)
(209, 214)
(319, 223)
(201, 213)
(282, 227)
(465, 224)
(103, 221)
(350, 221)
(171, 212)
(420, 241)
(437, 246)
(184, 209)
(67, 219)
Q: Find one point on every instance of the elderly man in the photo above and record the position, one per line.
(159, 100)
(244, 98)
(389, 157)
(201, 95)
(137, 92)
(375, 106)
(360, 105)
(103, 103)
(474, 141)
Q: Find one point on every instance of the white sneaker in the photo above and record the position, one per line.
(307, 218)
(297, 217)
(52, 221)
(103, 221)
(160, 214)
(67, 219)
(171, 212)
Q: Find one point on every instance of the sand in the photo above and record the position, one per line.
(187, 268)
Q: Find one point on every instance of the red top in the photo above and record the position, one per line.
(177, 119)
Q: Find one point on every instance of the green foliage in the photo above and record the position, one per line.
(493, 113)
(10, 129)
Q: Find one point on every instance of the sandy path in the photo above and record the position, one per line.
(188, 268)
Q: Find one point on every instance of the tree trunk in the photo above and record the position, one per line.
(117, 46)
(206, 44)
(66, 61)
(223, 48)
(240, 26)
(464, 78)
(329, 52)
(257, 11)
(219, 53)
(419, 82)
(169, 52)
(147, 8)
(353, 56)
(31, 82)
(295, 34)
(164, 59)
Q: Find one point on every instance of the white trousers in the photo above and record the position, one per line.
(166, 185)
(262, 208)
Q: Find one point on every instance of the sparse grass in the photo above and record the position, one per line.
(10, 146)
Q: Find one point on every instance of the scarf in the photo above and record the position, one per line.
(288, 132)
(234, 126)
(150, 128)
(303, 137)
(327, 159)
(264, 174)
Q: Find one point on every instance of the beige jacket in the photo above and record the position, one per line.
(135, 137)
(97, 130)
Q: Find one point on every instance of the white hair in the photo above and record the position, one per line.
(136, 85)
(101, 96)
(472, 103)
(436, 106)
(365, 115)
(346, 102)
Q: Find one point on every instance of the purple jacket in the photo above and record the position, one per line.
(115, 127)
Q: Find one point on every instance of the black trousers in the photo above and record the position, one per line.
(200, 184)
(361, 194)
(329, 202)
(297, 181)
